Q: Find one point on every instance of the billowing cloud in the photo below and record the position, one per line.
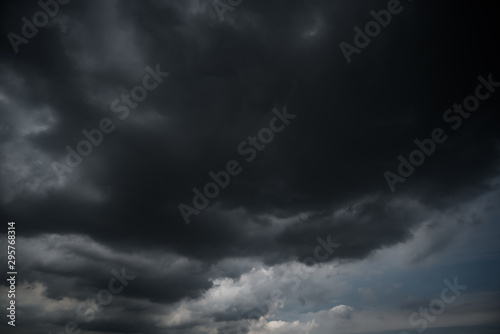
(307, 236)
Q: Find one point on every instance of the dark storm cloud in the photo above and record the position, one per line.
(332, 156)
(225, 81)
(322, 176)
(84, 267)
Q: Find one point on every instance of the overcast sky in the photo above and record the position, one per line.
(229, 167)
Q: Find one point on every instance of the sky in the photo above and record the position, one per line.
(250, 167)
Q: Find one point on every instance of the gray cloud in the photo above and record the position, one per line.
(322, 176)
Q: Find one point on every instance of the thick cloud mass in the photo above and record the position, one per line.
(322, 176)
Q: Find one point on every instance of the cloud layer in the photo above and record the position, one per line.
(245, 260)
